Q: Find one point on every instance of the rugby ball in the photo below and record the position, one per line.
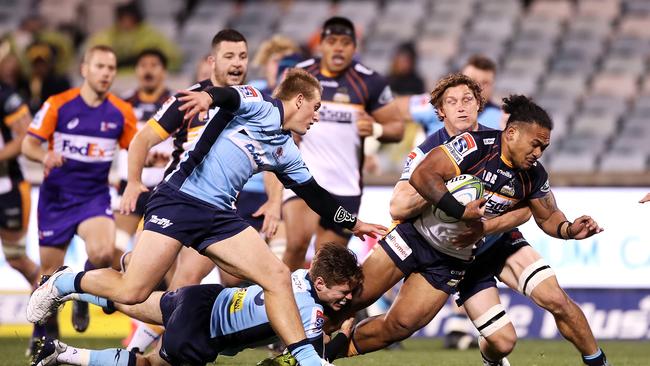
(465, 188)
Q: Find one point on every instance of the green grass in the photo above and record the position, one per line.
(414, 352)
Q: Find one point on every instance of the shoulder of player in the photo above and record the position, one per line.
(119, 103)
(129, 95)
(62, 98)
(365, 72)
(308, 62)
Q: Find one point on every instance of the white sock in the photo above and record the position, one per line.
(142, 337)
(75, 356)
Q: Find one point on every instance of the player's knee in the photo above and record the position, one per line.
(101, 257)
(134, 297)
(398, 328)
(502, 342)
(278, 277)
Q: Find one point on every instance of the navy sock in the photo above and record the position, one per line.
(89, 266)
(597, 359)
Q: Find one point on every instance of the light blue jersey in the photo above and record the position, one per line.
(423, 113)
(239, 315)
(235, 145)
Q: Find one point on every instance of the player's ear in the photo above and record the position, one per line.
(300, 98)
(319, 283)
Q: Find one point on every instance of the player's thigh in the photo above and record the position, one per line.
(127, 223)
(51, 258)
(416, 304)
(98, 233)
(525, 270)
(380, 274)
(191, 268)
(247, 256)
(489, 316)
(300, 221)
(150, 260)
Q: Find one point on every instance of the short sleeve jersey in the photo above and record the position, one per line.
(235, 145)
(87, 138)
(333, 148)
(239, 318)
(12, 109)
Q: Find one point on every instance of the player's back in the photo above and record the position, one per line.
(239, 318)
(333, 148)
(87, 138)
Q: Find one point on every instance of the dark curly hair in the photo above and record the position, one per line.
(337, 265)
(523, 109)
(450, 81)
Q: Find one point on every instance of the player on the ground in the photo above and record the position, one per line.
(84, 127)
(507, 256)
(194, 205)
(507, 164)
(478, 67)
(203, 321)
(15, 200)
(357, 102)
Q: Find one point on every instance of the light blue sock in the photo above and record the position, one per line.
(111, 357)
(305, 354)
(65, 283)
(99, 301)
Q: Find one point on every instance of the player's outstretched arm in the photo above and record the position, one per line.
(553, 222)
(429, 178)
(645, 198)
(195, 102)
(391, 122)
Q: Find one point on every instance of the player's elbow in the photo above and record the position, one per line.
(393, 132)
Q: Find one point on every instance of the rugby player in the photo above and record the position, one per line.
(203, 321)
(84, 127)
(15, 200)
(508, 257)
(478, 67)
(434, 267)
(357, 102)
(194, 205)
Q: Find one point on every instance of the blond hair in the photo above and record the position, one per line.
(298, 81)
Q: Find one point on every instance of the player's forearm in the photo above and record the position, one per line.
(406, 202)
(553, 225)
(273, 187)
(508, 221)
(393, 131)
(324, 204)
(32, 149)
(10, 150)
(138, 151)
(226, 98)
(428, 184)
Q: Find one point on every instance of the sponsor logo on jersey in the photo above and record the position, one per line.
(247, 92)
(329, 83)
(461, 146)
(168, 103)
(72, 124)
(335, 115)
(489, 141)
(398, 245)
(342, 215)
(341, 95)
(163, 222)
(237, 302)
(508, 190)
(316, 323)
(386, 96)
(505, 173)
(106, 126)
(453, 283)
(278, 153)
(254, 154)
(546, 187)
(45, 233)
(89, 149)
(409, 160)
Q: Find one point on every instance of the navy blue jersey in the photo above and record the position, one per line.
(12, 109)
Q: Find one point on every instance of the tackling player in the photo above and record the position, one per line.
(194, 205)
(204, 321)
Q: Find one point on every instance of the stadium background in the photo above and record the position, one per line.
(585, 61)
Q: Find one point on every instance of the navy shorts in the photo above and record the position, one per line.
(412, 254)
(186, 316)
(487, 265)
(15, 206)
(192, 222)
(249, 202)
(141, 203)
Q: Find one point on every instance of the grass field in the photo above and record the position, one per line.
(414, 352)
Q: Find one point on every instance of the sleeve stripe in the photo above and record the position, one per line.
(451, 159)
(22, 111)
(33, 133)
(160, 131)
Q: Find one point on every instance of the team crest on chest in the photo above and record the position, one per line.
(341, 95)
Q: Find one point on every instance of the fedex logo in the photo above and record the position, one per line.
(90, 149)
